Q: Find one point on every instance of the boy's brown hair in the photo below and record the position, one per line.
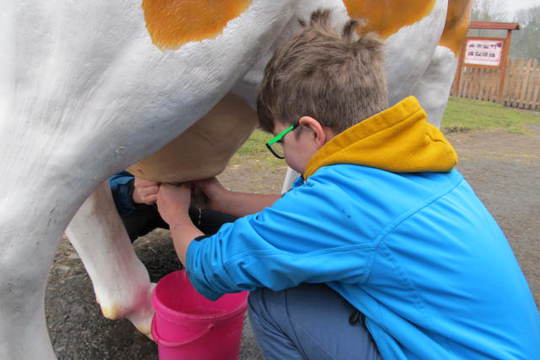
(337, 79)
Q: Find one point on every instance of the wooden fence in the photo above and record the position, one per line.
(521, 84)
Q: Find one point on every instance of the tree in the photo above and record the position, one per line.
(488, 10)
(525, 42)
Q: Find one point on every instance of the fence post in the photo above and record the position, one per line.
(506, 49)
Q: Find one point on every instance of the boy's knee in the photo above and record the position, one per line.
(310, 318)
(264, 302)
(277, 307)
(271, 303)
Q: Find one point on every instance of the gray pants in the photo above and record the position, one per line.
(311, 322)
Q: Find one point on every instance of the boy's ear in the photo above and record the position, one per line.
(321, 134)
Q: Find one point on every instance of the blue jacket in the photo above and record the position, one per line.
(121, 185)
(411, 247)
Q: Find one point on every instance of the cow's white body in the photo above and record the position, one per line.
(84, 93)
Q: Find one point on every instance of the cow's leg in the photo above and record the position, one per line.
(23, 330)
(32, 219)
(121, 282)
(433, 88)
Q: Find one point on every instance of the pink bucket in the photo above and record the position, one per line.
(186, 325)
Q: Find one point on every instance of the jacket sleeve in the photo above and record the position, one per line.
(122, 191)
(306, 236)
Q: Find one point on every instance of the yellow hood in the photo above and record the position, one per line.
(399, 139)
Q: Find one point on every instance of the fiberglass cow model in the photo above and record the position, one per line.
(89, 88)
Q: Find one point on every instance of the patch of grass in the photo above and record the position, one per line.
(264, 161)
(256, 143)
(465, 114)
(254, 149)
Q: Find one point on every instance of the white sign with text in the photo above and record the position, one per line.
(484, 52)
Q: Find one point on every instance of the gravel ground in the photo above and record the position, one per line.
(503, 168)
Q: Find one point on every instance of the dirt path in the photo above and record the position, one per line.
(503, 168)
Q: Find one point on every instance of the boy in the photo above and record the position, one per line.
(381, 248)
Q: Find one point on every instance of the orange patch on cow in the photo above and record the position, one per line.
(386, 17)
(172, 23)
(457, 24)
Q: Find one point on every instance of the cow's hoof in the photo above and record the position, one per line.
(139, 311)
(141, 317)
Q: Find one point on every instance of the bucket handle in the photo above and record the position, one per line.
(197, 336)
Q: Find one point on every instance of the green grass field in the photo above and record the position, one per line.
(464, 114)
(254, 150)
(461, 115)
(256, 143)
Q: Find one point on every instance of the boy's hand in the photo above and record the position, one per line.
(173, 204)
(214, 191)
(145, 191)
(233, 202)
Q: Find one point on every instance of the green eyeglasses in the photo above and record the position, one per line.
(276, 145)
